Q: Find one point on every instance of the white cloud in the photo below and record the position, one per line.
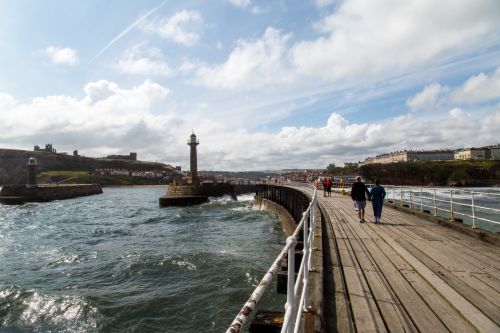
(246, 4)
(107, 119)
(251, 64)
(183, 27)
(111, 119)
(477, 89)
(366, 39)
(428, 99)
(143, 60)
(62, 55)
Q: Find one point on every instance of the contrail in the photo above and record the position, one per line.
(124, 32)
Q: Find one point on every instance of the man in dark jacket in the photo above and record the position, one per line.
(358, 191)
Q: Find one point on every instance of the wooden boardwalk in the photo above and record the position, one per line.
(407, 275)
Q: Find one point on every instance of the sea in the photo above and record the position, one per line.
(117, 262)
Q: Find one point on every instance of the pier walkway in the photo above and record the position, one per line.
(408, 274)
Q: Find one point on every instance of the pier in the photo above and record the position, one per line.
(409, 274)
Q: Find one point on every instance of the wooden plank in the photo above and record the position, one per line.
(417, 310)
(337, 312)
(393, 314)
(453, 321)
(443, 252)
(489, 280)
(380, 263)
(476, 282)
(473, 314)
(366, 315)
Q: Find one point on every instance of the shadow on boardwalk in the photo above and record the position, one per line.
(406, 275)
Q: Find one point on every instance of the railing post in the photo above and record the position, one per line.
(473, 211)
(421, 200)
(434, 202)
(401, 196)
(411, 199)
(312, 228)
(451, 206)
(306, 252)
(290, 293)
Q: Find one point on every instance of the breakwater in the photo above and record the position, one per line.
(18, 194)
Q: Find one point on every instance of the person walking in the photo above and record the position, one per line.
(358, 191)
(377, 194)
(329, 184)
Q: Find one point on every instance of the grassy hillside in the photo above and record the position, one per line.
(13, 165)
(438, 173)
(82, 177)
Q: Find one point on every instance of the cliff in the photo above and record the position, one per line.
(13, 164)
(435, 173)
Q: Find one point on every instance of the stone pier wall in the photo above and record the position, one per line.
(50, 192)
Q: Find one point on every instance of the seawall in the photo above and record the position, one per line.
(17, 194)
(287, 222)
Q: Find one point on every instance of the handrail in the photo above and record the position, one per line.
(445, 202)
(291, 322)
(468, 207)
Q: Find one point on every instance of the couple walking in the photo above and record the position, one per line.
(376, 195)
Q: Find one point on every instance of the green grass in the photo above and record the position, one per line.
(64, 174)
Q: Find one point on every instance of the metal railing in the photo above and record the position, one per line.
(480, 209)
(474, 207)
(297, 291)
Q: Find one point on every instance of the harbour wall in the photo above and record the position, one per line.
(42, 193)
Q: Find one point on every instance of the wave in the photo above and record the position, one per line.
(30, 309)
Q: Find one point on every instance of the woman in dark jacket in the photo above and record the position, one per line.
(377, 194)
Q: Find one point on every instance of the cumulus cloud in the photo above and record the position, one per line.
(341, 141)
(428, 99)
(477, 89)
(379, 38)
(107, 119)
(143, 60)
(112, 119)
(183, 27)
(62, 55)
(252, 64)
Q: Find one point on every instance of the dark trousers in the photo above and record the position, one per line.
(377, 208)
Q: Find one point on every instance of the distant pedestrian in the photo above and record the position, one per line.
(377, 194)
(328, 183)
(323, 182)
(358, 191)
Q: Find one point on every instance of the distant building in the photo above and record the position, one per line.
(351, 164)
(483, 153)
(131, 157)
(178, 168)
(411, 155)
(75, 152)
(495, 152)
(48, 148)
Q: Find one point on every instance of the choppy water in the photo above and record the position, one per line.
(119, 262)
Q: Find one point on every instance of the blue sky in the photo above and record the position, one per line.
(264, 84)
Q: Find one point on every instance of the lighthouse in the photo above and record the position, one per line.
(32, 165)
(193, 160)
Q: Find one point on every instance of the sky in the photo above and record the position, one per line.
(265, 85)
